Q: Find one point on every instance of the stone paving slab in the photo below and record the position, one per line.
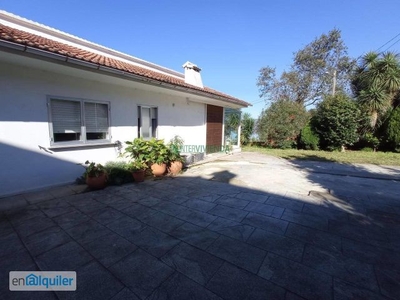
(237, 253)
(296, 277)
(231, 282)
(141, 272)
(247, 227)
(278, 244)
(195, 235)
(232, 229)
(192, 262)
(180, 287)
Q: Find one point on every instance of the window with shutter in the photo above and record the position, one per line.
(66, 119)
(96, 121)
(78, 120)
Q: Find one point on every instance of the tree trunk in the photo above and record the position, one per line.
(374, 118)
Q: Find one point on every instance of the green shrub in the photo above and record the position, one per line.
(391, 131)
(147, 151)
(118, 172)
(308, 139)
(247, 128)
(370, 140)
(336, 122)
(288, 144)
(279, 125)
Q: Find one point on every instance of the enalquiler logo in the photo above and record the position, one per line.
(42, 281)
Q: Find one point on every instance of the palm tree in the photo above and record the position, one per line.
(377, 82)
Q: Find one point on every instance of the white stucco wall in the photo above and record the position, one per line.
(24, 120)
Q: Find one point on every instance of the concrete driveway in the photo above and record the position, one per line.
(245, 226)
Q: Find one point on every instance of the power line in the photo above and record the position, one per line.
(383, 46)
(392, 45)
(258, 102)
(387, 43)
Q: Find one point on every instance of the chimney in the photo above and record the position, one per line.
(192, 74)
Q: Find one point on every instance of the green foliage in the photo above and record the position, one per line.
(175, 145)
(231, 124)
(136, 165)
(370, 140)
(147, 151)
(376, 83)
(336, 122)
(391, 131)
(232, 120)
(308, 139)
(93, 169)
(247, 128)
(280, 124)
(118, 172)
(311, 74)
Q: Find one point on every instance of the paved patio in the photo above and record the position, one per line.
(244, 227)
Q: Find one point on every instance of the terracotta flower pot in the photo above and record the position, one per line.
(138, 176)
(175, 167)
(97, 183)
(158, 169)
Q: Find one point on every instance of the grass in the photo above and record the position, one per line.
(348, 157)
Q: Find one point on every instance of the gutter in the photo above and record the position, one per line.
(77, 62)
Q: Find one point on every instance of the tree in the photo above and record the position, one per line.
(231, 123)
(247, 128)
(391, 131)
(308, 139)
(376, 83)
(279, 125)
(336, 122)
(311, 74)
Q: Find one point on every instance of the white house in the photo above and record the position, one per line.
(65, 100)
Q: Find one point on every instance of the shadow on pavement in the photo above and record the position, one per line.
(192, 238)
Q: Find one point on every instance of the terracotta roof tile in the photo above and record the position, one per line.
(24, 38)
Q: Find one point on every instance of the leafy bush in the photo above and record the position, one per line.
(336, 122)
(391, 131)
(93, 169)
(118, 172)
(175, 146)
(308, 139)
(247, 128)
(280, 124)
(152, 151)
(370, 141)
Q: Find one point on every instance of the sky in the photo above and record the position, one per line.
(229, 40)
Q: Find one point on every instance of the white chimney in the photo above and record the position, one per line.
(192, 74)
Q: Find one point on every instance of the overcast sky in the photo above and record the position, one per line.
(229, 40)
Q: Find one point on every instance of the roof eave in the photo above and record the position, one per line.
(50, 56)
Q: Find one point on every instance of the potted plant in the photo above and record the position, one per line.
(158, 157)
(175, 158)
(153, 152)
(95, 175)
(117, 172)
(138, 150)
(138, 169)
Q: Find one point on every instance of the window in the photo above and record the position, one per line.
(78, 121)
(147, 122)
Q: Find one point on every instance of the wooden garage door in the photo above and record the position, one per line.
(214, 128)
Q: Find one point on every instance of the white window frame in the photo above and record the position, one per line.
(83, 140)
(140, 134)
